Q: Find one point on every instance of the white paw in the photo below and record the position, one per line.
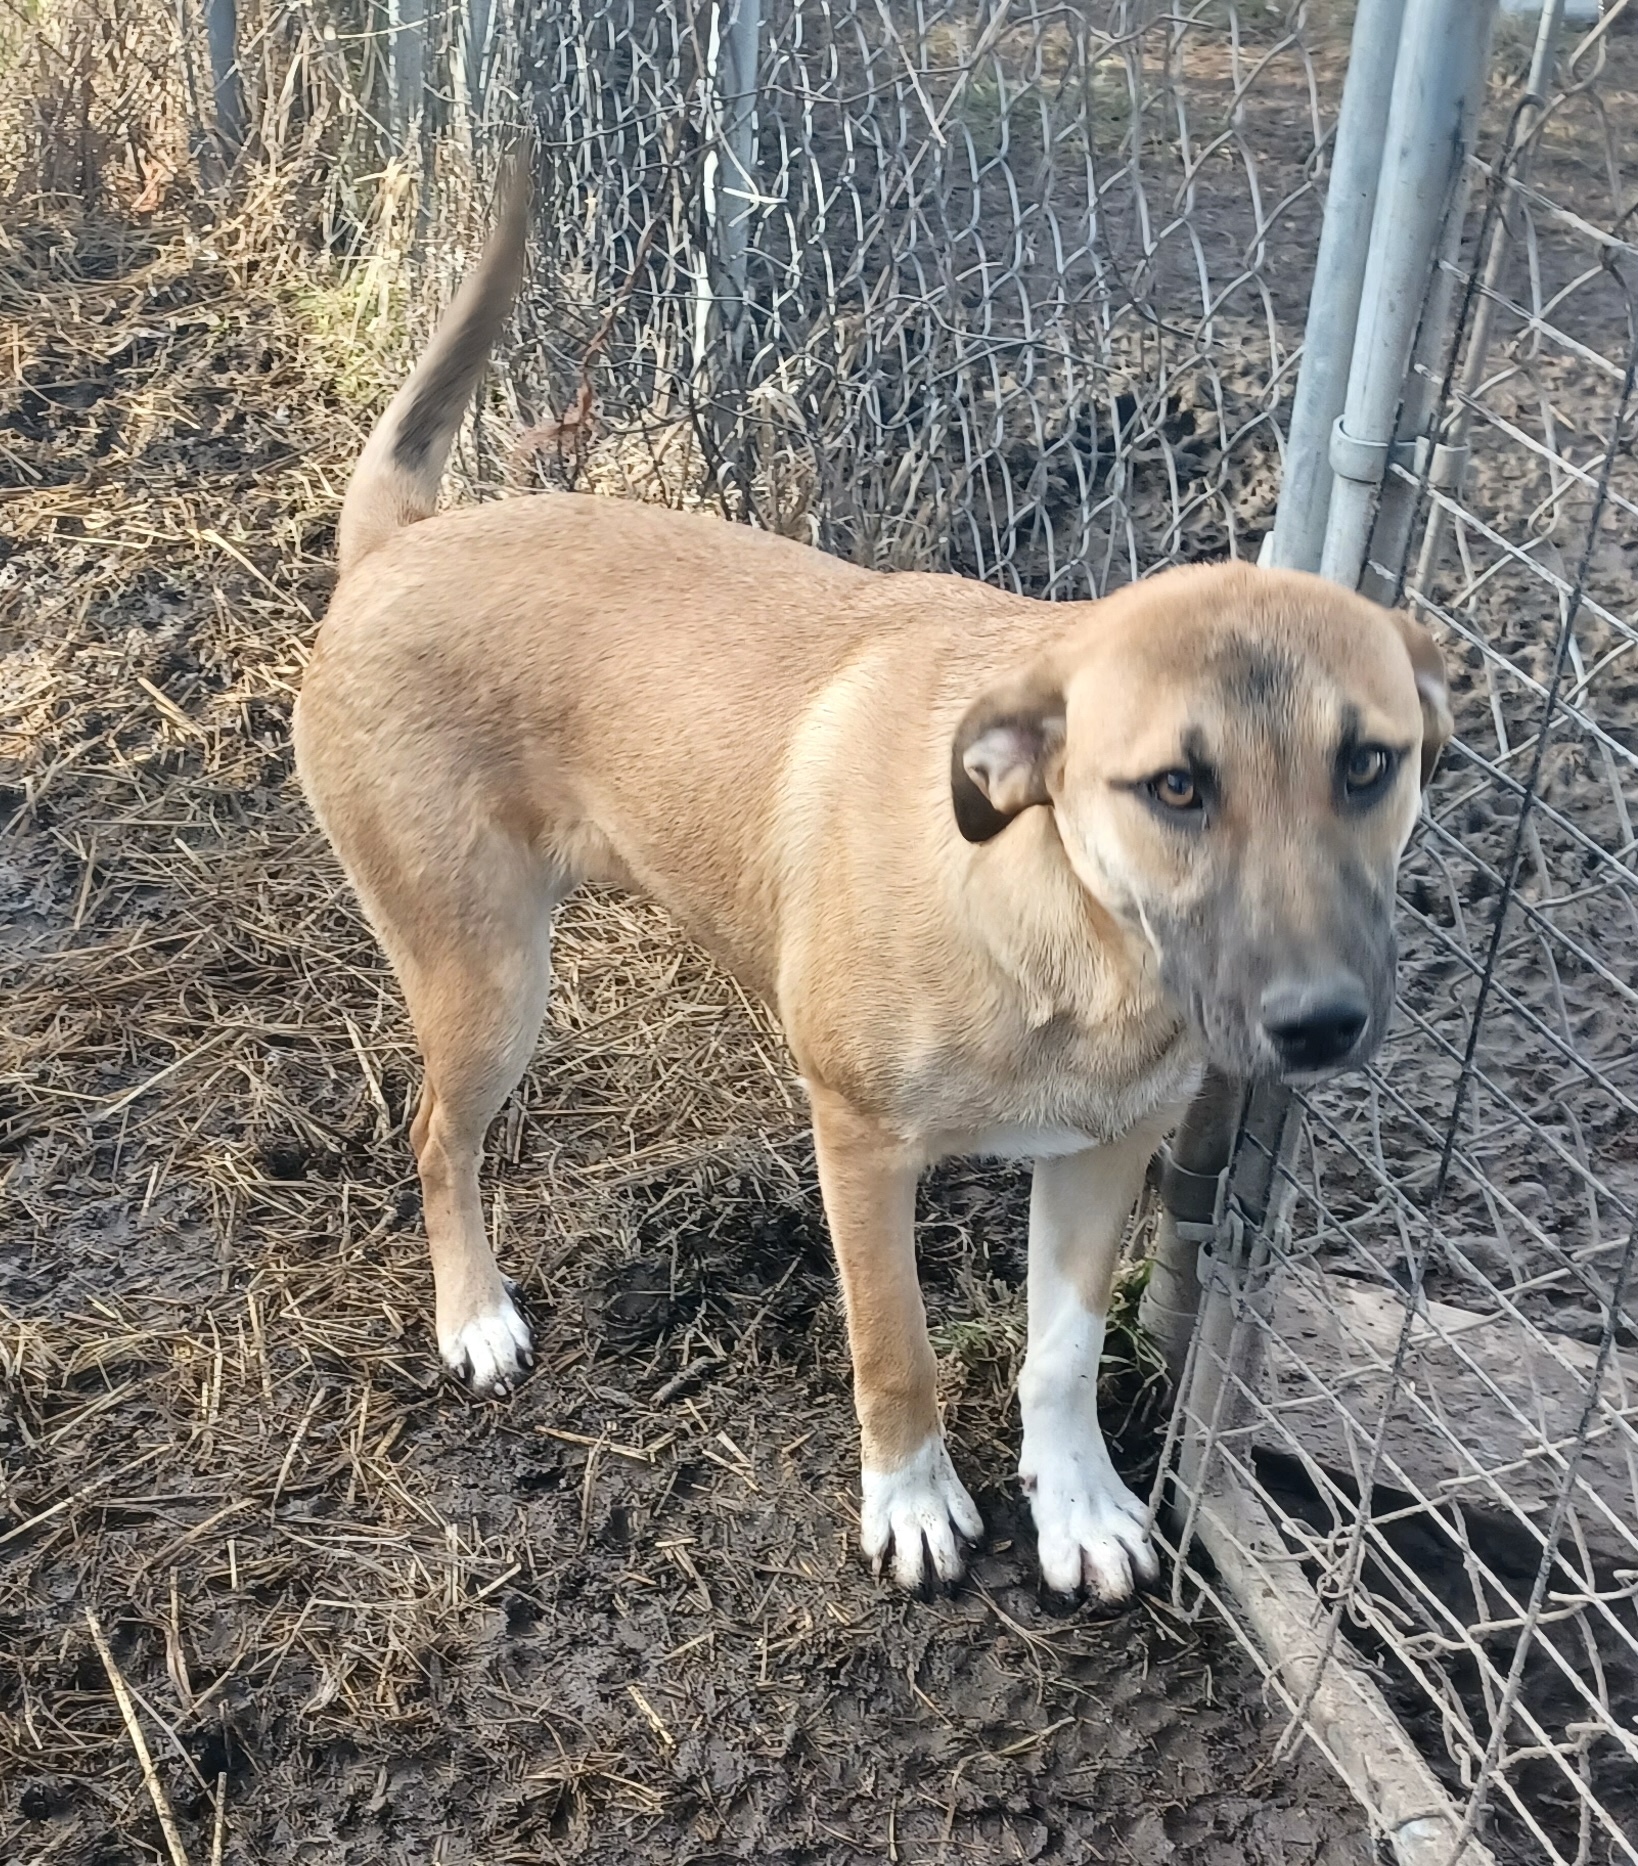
(1091, 1530)
(490, 1350)
(918, 1511)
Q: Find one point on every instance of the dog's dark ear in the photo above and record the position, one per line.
(1432, 689)
(1007, 753)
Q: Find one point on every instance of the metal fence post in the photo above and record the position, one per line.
(730, 170)
(733, 51)
(1339, 275)
(1443, 57)
(1187, 1174)
(1235, 1282)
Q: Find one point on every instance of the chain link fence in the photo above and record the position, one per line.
(1438, 1405)
(1018, 290)
(1009, 291)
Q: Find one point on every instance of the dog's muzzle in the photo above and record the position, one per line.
(1317, 1026)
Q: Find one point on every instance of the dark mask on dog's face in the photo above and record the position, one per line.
(1233, 760)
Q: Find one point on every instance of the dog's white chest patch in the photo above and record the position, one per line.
(1016, 1140)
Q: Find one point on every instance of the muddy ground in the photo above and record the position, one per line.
(358, 1616)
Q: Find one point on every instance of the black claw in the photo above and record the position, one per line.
(933, 1585)
(1100, 1603)
(1058, 1606)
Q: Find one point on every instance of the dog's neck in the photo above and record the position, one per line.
(1064, 952)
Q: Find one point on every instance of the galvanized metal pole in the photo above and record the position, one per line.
(1438, 83)
(1236, 1276)
(733, 191)
(1339, 275)
(733, 51)
(1187, 1174)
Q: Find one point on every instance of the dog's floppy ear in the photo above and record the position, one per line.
(1432, 689)
(1007, 752)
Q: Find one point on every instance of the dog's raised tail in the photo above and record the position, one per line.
(396, 479)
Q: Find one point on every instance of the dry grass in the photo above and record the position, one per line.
(203, 1058)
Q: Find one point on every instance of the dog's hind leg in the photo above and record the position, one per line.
(464, 909)
(477, 1016)
(913, 1503)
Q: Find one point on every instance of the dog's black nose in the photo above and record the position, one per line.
(1315, 1026)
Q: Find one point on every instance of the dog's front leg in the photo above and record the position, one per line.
(913, 1502)
(1091, 1530)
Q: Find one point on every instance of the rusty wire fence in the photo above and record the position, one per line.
(1018, 290)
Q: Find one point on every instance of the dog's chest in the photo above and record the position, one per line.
(1061, 1089)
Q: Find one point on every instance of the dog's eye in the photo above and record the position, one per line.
(1176, 789)
(1366, 768)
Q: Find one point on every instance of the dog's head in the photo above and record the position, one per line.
(1232, 757)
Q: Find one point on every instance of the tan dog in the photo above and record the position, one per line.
(1009, 873)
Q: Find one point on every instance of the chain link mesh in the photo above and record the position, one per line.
(1451, 1380)
(1019, 287)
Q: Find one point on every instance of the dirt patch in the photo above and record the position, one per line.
(1477, 1563)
